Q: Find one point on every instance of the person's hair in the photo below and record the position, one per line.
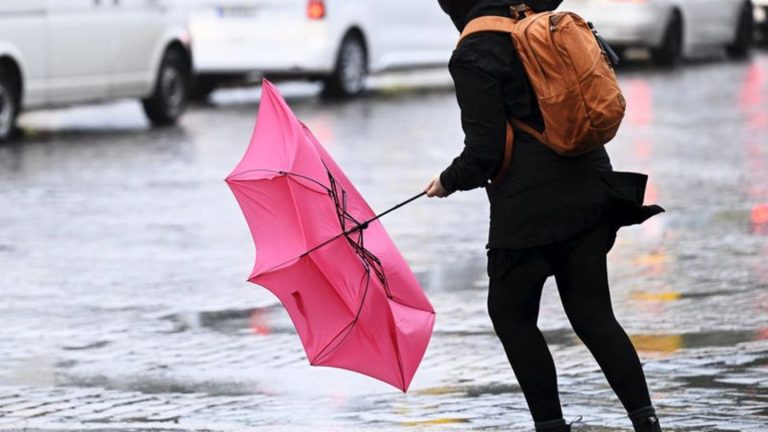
(543, 5)
(462, 7)
(459, 10)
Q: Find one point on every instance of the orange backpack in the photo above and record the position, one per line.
(571, 76)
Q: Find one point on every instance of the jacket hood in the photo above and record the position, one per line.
(463, 11)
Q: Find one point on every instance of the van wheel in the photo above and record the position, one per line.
(169, 99)
(351, 69)
(670, 53)
(744, 34)
(9, 104)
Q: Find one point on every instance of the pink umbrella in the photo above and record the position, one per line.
(323, 252)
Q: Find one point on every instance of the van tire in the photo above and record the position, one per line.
(169, 99)
(348, 78)
(9, 104)
(670, 53)
(744, 34)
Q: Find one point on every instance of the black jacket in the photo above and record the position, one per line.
(545, 198)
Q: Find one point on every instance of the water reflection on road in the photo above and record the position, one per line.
(123, 255)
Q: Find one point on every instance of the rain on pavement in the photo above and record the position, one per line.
(123, 257)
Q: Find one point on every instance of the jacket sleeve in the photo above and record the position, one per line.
(483, 117)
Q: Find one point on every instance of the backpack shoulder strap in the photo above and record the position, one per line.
(531, 131)
(501, 25)
(506, 163)
(488, 24)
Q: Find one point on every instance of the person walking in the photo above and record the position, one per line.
(550, 215)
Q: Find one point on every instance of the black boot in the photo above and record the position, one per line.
(558, 425)
(645, 420)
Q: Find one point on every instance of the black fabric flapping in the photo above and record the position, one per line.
(624, 198)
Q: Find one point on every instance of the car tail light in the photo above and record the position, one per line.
(316, 9)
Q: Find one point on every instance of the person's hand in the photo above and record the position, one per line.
(436, 189)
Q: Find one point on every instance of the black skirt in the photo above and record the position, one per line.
(547, 198)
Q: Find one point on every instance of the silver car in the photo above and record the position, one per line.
(671, 29)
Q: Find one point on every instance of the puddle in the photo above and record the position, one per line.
(155, 385)
(718, 382)
(93, 345)
(564, 336)
(84, 427)
(260, 321)
(665, 343)
(669, 296)
(470, 390)
(274, 320)
(673, 342)
(435, 422)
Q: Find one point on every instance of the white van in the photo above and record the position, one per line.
(336, 41)
(63, 52)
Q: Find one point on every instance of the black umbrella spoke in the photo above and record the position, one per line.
(339, 196)
(370, 261)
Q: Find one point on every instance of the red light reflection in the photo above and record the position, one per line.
(753, 96)
(639, 102)
(639, 96)
(760, 218)
(259, 322)
(760, 214)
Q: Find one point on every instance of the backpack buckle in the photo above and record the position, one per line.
(519, 11)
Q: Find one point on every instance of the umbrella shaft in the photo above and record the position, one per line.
(404, 203)
(365, 224)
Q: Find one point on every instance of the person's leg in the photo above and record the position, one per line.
(513, 304)
(582, 280)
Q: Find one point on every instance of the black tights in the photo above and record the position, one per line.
(579, 267)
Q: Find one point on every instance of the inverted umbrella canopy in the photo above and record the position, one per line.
(321, 250)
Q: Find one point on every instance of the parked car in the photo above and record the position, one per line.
(336, 41)
(64, 52)
(761, 15)
(671, 29)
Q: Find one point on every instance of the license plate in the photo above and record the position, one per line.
(236, 11)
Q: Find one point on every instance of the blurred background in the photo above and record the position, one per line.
(123, 254)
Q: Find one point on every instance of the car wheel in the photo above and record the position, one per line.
(670, 53)
(169, 99)
(351, 69)
(9, 104)
(744, 33)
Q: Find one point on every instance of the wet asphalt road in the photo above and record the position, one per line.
(123, 257)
